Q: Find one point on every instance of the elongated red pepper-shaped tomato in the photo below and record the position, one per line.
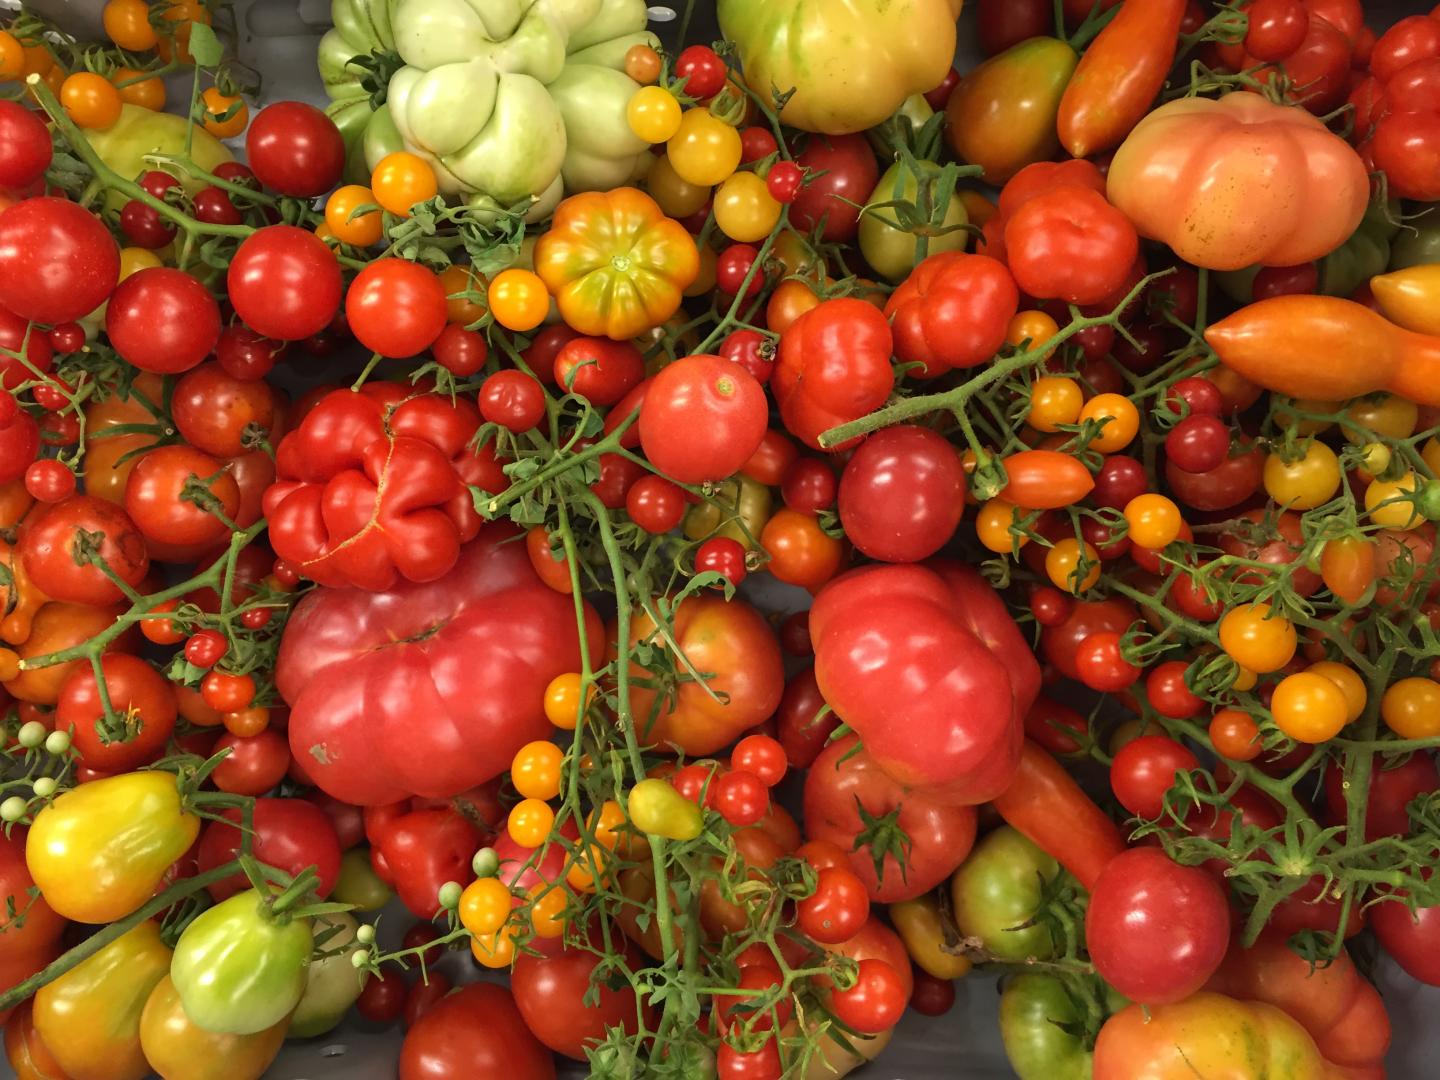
(1119, 76)
(1327, 348)
(1044, 802)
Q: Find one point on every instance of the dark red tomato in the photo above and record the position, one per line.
(795, 634)
(220, 414)
(142, 701)
(1319, 70)
(1276, 540)
(702, 418)
(732, 269)
(1391, 790)
(67, 337)
(512, 399)
(1051, 724)
(902, 494)
(876, 1001)
(49, 539)
(420, 935)
(1003, 23)
(541, 353)
(459, 351)
(802, 731)
(144, 227)
(255, 764)
(153, 498)
(348, 821)
(756, 142)
(1119, 480)
(932, 996)
(289, 834)
(478, 1031)
(753, 351)
(1156, 930)
(1272, 281)
(396, 307)
(1177, 293)
(1412, 939)
(1101, 663)
(213, 206)
(1059, 643)
(1231, 482)
(295, 149)
(772, 458)
(1197, 444)
(382, 998)
(284, 283)
(58, 262)
(702, 70)
(1144, 770)
(597, 369)
(617, 475)
(843, 174)
(24, 145)
(939, 95)
(245, 355)
(1276, 28)
(426, 992)
(1406, 147)
(16, 335)
(552, 992)
(1148, 350)
(162, 320)
(623, 410)
(837, 909)
(1166, 690)
(809, 486)
(1194, 396)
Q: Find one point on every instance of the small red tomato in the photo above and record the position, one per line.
(761, 755)
(740, 797)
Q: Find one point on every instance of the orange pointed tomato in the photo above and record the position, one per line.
(1293, 191)
(615, 264)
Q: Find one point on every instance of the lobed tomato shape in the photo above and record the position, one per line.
(833, 367)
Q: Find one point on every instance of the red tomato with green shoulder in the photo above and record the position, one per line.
(702, 418)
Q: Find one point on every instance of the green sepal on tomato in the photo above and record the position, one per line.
(1042, 1027)
(888, 241)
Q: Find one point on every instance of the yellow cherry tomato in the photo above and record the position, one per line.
(653, 113)
(1305, 482)
(1054, 400)
(134, 89)
(704, 150)
(744, 208)
(12, 56)
(547, 912)
(518, 299)
(401, 180)
(530, 822)
(127, 24)
(1154, 520)
(495, 951)
(90, 100)
(1256, 639)
(220, 121)
(580, 875)
(1411, 708)
(642, 63)
(1030, 328)
(1350, 684)
(672, 193)
(134, 258)
(604, 822)
(535, 770)
(1244, 679)
(1309, 708)
(1375, 458)
(1063, 562)
(360, 230)
(562, 700)
(485, 905)
(1122, 421)
(1386, 415)
(992, 525)
(1389, 505)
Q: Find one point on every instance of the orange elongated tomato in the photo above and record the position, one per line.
(1045, 479)
(1323, 347)
(1119, 76)
(1239, 181)
(1410, 297)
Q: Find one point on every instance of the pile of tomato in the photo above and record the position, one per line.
(723, 544)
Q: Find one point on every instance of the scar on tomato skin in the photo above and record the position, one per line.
(319, 753)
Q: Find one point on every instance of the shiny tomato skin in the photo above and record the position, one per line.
(850, 175)
(295, 149)
(396, 307)
(153, 498)
(1230, 483)
(290, 834)
(1413, 940)
(49, 539)
(58, 262)
(255, 764)
(901, 494)
(212, 410)
(1059, 643)
(551, 994)
(162, 320)
(284, 283)
(702, 418)
(140, 696)
(1144, 770)
(477, 1031)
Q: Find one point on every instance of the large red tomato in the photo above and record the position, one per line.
(428, 689)
(284, 283)
(916, 840)
(930, 670)
(58, 262)
(142, 699)
(478, 1033)
(551, 991)
(730, 641)
(901, 494)
(48, 549)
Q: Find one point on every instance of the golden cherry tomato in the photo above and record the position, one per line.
(1375, 458)
(183, 14)
(704, 149)
(1054, 400)
(642, 63)
(495, 951)
(547, 912)
(1386, 415)
(1154, 520)
(127, 24)
(604, 822)
(1063, 562)
(535, 770)
(992, 525)
(653, 113)
(401, 180)
(220, 120)
(90, 100)
(1308, 707)
(12, 56)
(1350, 684)
(1121, 421)
(1307, 481)
(462, 288)
(672, 193)
(1235, 735)
(581, 872)
(1244, 679)
(135, 89)
(744, 208)
(485, 905)
(1389, 502)
(134, 258)
(38, 60)
(360, 230)
(1430, 452)
(1411, 708)
(562, 700)
(325, 233)
(518, 299)
(1029, 328)
(1257, 640)
(530, 822)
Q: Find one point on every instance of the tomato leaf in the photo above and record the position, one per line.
(204, 45)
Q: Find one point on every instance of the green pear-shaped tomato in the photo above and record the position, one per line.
(331, 983)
